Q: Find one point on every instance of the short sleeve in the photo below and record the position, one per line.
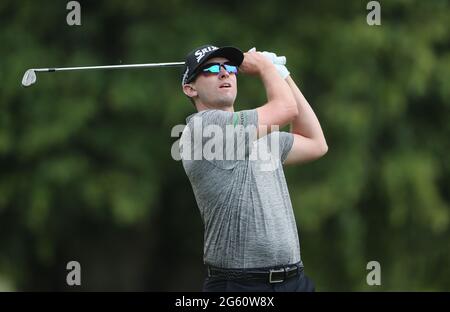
(286, 142)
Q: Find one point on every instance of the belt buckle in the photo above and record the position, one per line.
(271, 281)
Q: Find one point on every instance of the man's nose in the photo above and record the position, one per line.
(223, 73)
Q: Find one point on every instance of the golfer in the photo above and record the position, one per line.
(250, 241)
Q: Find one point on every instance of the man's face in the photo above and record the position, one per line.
(216, 90)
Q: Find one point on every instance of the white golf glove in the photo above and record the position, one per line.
(283, 71)
(278, 61)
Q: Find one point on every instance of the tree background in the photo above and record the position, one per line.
(85, 166)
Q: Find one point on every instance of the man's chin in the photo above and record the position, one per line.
(225, 102)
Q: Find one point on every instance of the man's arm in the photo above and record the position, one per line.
(309, 141)
(281, 107)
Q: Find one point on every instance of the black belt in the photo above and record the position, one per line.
(271, 275)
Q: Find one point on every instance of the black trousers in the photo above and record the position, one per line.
(298, 283)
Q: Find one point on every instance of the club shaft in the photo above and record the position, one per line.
(172, 64)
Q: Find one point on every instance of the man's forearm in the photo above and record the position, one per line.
(277, 90)
(306, 122)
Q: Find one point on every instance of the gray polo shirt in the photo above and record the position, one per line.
(243, 199)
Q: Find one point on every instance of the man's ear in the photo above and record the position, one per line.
(189, 90)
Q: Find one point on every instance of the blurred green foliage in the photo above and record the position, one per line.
(86, 171)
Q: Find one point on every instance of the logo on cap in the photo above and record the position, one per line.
(202, 52)
(185, 75)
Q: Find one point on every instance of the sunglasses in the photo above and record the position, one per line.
(214, 68)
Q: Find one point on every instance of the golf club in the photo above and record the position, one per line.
(30, 77)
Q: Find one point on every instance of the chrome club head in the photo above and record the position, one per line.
(29, 78)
